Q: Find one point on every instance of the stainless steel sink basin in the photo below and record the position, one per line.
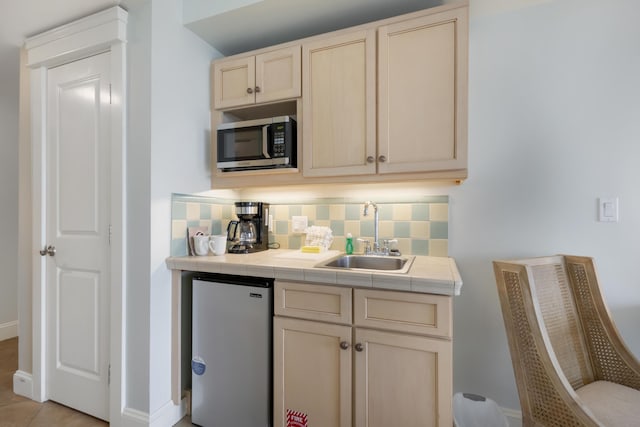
(390, 264)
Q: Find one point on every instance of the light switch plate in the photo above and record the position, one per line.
(608, 209)
(299, 223)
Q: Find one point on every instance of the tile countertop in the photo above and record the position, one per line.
(432, 275)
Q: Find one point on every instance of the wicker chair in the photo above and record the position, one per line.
(571, 366)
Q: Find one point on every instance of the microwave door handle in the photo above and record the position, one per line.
(265, 142)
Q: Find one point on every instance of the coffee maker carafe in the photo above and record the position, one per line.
(250, 233)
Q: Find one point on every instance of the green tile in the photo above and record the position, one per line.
(337, 227)
(179, 210)
(282, 227)
(194, 223)
(401, 229)
(420, 212)
(322, 212)
(352, 212)
(419, 247)
(439, 230)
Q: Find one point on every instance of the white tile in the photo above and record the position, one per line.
(320, 275)
(354, 278)
(395, 282)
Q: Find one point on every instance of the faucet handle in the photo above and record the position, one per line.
(367, 245)
(387, 250)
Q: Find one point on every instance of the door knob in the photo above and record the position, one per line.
(257, 89)
(382, 159)
(359, 347)
(249, 90)
(344, 345)
(371, 159)
(49, 250)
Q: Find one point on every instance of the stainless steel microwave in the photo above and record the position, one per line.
(257, 144)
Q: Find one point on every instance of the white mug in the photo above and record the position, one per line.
(218, 244)
(201, 245)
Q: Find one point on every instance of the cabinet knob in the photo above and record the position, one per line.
(257, 89)
(382, 159)
(344, 345)
(358, 347)
(371, 159)
(249, 90)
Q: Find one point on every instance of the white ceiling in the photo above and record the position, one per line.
(234, 26)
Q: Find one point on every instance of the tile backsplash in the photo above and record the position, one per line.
(420, 226)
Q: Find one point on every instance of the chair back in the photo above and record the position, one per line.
(560, 333)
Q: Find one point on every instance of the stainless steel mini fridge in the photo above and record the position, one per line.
(231, 366)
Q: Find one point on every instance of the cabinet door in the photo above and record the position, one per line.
(422, 86)
(278, 75)
(312, 373)
(338, 81)
(234, 82)
(402, 380)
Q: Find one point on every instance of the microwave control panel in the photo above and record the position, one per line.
(278, 140)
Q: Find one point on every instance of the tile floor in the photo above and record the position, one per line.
(17, 411)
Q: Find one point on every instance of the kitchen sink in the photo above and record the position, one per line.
(391, 264)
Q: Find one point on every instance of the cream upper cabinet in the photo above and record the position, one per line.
(338, 81)
(388, 361)
(422, 93)
(262, 78)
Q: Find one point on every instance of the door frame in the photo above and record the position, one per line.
(101, 32)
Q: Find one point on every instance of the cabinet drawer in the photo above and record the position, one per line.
(405, 312)
(314, 302)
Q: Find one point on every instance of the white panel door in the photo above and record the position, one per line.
(77, 150)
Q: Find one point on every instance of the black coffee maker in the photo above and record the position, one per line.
(250, 233)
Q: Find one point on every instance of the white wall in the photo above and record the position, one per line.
(168, 152)
(554, 123)
(9, 93)
(180, 124)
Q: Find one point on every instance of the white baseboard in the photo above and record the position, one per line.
(23, 384)
(8, 330)
(168, 415)
(513, 417)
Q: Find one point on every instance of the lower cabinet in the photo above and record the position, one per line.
(332, 374)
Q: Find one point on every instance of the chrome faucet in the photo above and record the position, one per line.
(377, 249)
(376, 245)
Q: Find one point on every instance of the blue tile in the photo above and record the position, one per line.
(385, 212)
(420, 212)
(322, 212)
(282, 227)
(439, 230)
(419, 247)
(401, 229)
(194, 223)
(337, 227)
(205, 211)
(216, 226)
(294, 242)
(366, 229)
(179, 210)
(179, 247)
(352, 212)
